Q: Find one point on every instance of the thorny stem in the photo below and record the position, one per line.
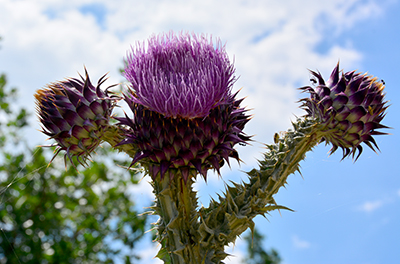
(226, 219)
(176, 204)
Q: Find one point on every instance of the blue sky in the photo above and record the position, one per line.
(345, 212)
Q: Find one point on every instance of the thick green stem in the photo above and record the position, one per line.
(226, 219)
(176, 204)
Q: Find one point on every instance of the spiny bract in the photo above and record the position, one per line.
(186, 119)
(350, 107)
(75, 114)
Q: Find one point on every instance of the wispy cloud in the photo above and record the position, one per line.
(300, 243)
(371, 206)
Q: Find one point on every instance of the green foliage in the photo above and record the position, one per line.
(52, 215)
(10, 122)
(256, 253)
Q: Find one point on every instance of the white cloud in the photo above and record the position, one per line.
(371, 206)
(300, 243)
(236, 252)
(147, 255)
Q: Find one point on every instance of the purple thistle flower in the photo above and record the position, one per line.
(180, 75)
(186, 119)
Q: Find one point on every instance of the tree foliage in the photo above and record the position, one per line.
(256, 254)
(52, 215)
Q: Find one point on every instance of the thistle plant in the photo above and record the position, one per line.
(184, 120)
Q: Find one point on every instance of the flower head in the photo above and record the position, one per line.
(350, 107)
(180, 75)
(186, 119)
(74, 113)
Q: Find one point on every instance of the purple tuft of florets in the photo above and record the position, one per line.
(181, 75)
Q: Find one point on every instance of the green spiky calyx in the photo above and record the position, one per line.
(170, 146)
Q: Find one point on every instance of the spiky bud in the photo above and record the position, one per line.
(186, 118)
(350, 106)
(74, 113)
